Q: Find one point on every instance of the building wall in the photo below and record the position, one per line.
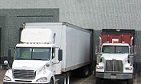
(96, 14)
(11, 20)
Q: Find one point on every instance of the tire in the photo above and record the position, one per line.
(99, 81)
(130, 81)
(51, 81)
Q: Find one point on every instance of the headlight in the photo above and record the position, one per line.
(43, 79)
(99, 67)
(6, 78)
(128, 68)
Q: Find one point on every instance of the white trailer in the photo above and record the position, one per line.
(54, 51)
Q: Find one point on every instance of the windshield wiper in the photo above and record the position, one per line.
(39, 59)
(21, 59)
(35, 59)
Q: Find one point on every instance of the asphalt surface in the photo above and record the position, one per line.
(89, 80)
(2, 72)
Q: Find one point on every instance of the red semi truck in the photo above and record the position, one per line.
(115, 55)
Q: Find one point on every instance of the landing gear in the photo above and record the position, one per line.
(64, 78)
(67, 79)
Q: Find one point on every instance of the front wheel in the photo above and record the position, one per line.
(51, 81)
(99, 81)
(130, 81)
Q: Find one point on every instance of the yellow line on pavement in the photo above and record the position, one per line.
(85, 79)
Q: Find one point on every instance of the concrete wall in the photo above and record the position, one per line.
(96, 14)
(11, 20)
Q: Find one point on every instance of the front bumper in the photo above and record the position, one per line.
(114, 75)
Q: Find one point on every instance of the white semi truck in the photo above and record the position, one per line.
(48, 53)
(115, 55)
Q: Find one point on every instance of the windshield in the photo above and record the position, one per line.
(115, 49)
(32, 53)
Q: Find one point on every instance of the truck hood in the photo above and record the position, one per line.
(115, 56)
(29, 64)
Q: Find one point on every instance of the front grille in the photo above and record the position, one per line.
(22, 81)
(24, 74)
(114, 65)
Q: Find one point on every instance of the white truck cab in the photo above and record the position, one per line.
(116, 58)
(34, 58)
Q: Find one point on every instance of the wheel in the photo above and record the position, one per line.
(51, 81)
(99, 81)
(130, 81)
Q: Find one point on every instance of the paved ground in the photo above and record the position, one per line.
(2, 72)
(91, 80)
(88, 80)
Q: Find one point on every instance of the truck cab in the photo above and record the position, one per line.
(112, 54)
(34, 59)
(115, 57)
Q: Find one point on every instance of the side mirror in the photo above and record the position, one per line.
(60, 54)
(131, 58)
(97, 49)
(98, 57)
(6, 62)
(6, 65)
(135, 49)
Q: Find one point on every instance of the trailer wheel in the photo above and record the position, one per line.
(130, 81)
